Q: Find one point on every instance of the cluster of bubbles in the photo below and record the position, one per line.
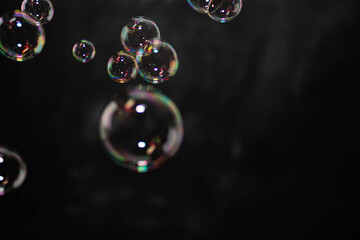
(141, 128)
(12, 170)
(154, 60)
(22, 35)
(222, 11)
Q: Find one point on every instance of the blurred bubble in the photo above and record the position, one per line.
(201, 6)
(137, 33)
(84, 51)
(20, 39)
(121, 67)
(40, 10)
(12, 170)
(159, 64)
(141, 129)
(225, 10)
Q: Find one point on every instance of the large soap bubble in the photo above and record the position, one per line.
(141, 129)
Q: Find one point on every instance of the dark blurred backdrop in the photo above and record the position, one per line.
(270, 108)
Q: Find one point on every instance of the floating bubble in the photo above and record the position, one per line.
(20, 39)
(159, 64)
(84, 51)
(141, 129)
(12, 170)
(225, 10)
(201, 6)
(138, 33)
(122, 67)
(40, 10)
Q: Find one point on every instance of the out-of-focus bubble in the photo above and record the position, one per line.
(84, 51)
(138, 33)
(159, 64)
(12, 170)
(201, 6)
(141, 129)
(225, 10)
(40, 10)
(122, 67)
(20, 39)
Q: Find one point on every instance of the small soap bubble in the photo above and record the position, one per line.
(141, 129)
(21, 38)
(84, 51)
(121, 67)
(40, 10)
(160, 64)
(138, 33)
(225, 10)
(201, 6)
(12, 170)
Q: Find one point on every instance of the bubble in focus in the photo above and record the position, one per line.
(159, 64)
(20, 39)
(141, 129)
(225, 10)
(41, 10)
(12, 170)
(138, 33)
(201, 6)
(121, 67)
(84, 51)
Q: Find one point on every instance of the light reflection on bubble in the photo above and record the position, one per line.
(141, 140)
(84, 51)
(20, 39)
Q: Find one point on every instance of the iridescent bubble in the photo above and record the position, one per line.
(138, 33)
(159, 64)
(84, 51)
(141, 129)
(121, 67)
(12, 170)
(225, 10)
(40, 10)
(20, 39)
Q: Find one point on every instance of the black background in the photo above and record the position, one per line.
(269, 103)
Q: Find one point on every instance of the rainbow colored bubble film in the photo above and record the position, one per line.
(84, 51)
(137, 34)
(159, 63)
(21, 38)
(201, 6)
(41, 10)
(12, 170)
(225, 10)
(121, 67)
(141, 129)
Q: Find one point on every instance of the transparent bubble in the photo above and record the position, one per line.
(138, 33)
(20, 39)
(159, 64)
(200, 6)
(225, 10)
(84, 51)
(40, 10)
(12, 170)
(141, 129)
(122, 67)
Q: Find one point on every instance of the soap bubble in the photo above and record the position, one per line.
(159, 64)
(40, 10)
(12, 170)
(20, 39)
(137, 34)
(122, 67)
(225, 10)
(141, 129)
(201, 6)
(84, 51)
